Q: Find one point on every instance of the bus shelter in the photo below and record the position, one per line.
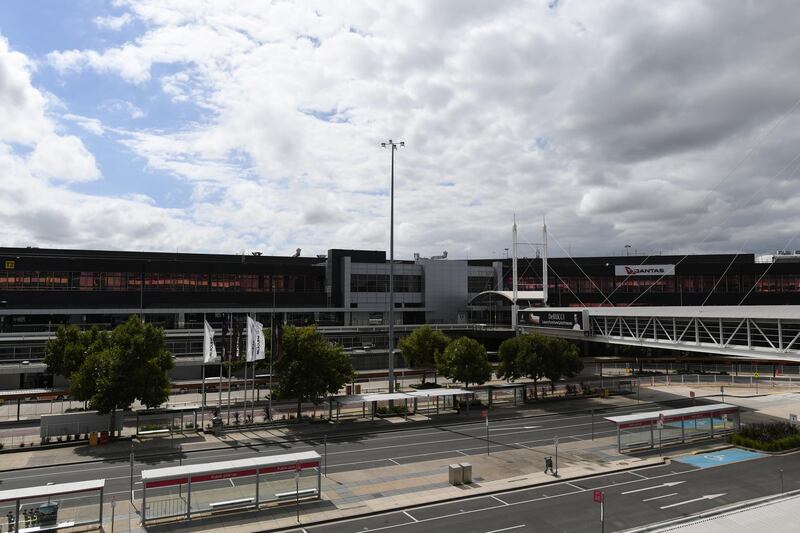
(674, 426)
(412, 397)
(51, 507)
(442, 398)
(185, 490)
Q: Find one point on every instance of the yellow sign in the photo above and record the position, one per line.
(756, 375)
(10, 264)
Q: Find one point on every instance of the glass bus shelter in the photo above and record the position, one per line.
(52, 507)
(674, 426)
(185, 490)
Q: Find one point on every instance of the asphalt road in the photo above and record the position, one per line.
(634, 498)
(344, 452)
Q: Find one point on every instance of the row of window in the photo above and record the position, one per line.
(480, 283)
(668, 284)
(380, 283)
(154, 281)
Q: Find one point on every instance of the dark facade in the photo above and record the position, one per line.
(698, 279)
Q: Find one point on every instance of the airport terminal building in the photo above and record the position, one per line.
(344, 292)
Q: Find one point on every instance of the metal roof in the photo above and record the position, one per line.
(509, 295)
(171, 472)
(712, 311)
(46, 491)
(653, 415)
(438, 392)
(378, 397)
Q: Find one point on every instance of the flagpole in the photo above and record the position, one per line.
(203, 370)
(230, 356)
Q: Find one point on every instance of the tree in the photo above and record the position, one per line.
(535, 356)
(465, 360)
(560, 359)
(310, 367)
(421, 348)
(134, 366)
(65, 353)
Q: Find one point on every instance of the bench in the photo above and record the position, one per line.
(229, 503)
(296, 494)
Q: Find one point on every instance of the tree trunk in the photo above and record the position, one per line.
(299, 407)
(112, 423)
(535, 389)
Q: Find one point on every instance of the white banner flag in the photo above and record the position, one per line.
(209, 350)
(259, 351)
(249, 342)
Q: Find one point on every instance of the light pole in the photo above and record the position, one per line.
(392, 147)
(627, 249)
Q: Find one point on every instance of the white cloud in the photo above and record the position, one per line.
(92, 125)
(113, 23)
(63, 157)
(620, 121)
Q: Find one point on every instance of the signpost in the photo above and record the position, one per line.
(485, 415)
(722, 390)
(555, 440)
(660, 425)
(793, 419)
(297, 490)
(598, 498)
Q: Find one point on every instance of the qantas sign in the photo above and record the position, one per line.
(644, 270)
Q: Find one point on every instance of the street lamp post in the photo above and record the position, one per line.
(392, 147)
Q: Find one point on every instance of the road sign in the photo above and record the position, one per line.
(722, 389)
(484, 413)
(660, 423)
(598, 496)
(793, 419)
(691, 394)
(756, 375)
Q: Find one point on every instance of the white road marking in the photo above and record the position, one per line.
(659, 497)
(519, 427)
(668, 484)
(701, 498)
(635, 474)
(506, 529)
(395, 462)
(575, 486)
(411, 517)
(501, 501)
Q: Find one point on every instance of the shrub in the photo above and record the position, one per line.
(768, 431)
(382, 411)
(772, 437)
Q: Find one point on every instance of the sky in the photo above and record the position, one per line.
(236, 126)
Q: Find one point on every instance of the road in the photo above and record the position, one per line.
(345, 452)
(634, 498)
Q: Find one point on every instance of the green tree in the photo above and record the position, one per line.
(421, 348)
(465, 360)
(134, 366)
(65, 353)
(535, 356)
(310, 367)
(560, 360)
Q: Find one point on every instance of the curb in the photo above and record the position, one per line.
(464, 497)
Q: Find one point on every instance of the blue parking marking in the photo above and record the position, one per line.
(722, 457)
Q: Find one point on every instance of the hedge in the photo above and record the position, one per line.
(778, 445)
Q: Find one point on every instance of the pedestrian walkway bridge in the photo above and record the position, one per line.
(755, 332)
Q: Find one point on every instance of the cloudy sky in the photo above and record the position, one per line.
(224, 126)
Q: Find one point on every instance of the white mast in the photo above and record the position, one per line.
(544, 261)
(514, 313)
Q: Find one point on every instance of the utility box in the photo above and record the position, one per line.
(216, 426)
(466, 473)
(456, 474)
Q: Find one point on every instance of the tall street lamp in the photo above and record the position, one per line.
(392, 147)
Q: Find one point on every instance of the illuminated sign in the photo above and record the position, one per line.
(561, 319)
(10, 264)
(644, 270)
